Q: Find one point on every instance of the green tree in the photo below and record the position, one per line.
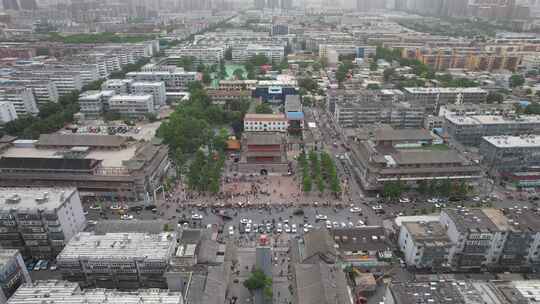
(263, 108)
(308, 84)
(239, 74)
(532, 108)
(258, 280)
(516, 80)
(392, 190)
(206, 78)
(259, 60)
(373, 86)
(388, 73)
(494, 97)
(373, 66)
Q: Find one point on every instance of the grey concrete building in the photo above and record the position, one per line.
(433, 98)
(118, 260)
(13, 273)
(507, 155)
(424, 245)
(39, 221)
(62, 292)
(469, 130)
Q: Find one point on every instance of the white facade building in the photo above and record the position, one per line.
(21, 98)
(266, 122)
(156, 89)
(7, 112)
(64, 292)
(275, 53)
(54, 215)
(119, 86)
(13, 273)
(204, 55)
(132, 105)
(174, 81)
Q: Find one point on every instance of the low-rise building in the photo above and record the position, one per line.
(7, 112)
(132, 105)
(52, 291)
(263, 153)
(469, 130)
(228, 98)
(119, 86)
(507, 155)
(156, 89)
(39, 221)
(13, 273)
(274, 53)
(433, 98)
(236, 85)
(199, 54)
(424, 244)
(118, 260)
(177, 80)
(320, 283)
(265, 122)
(130, 172)
(410, 157)
(93, 103)
(21, 98)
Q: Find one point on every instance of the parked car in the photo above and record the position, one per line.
(44, 265)
(37, 266)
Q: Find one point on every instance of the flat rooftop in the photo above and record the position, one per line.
(429, 233)
(389, 134)
(492, 119)
(264, 117)
(421, 90)
(473, 220)
(120, 246)
(6, 256)
(110, 158)
(524, 141)
(22, 199)
(63, 292)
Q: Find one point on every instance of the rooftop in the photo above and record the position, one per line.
(389, 134)
(77, 140)
(371, 238)
(6, 256)
(120, 246)
(418, 156)
(523, 141)
(319, 242)
(428, 233)
(63, 292)
(33, 198)
(264, 117)
(263, 138)
(139, 98)
(472, 220)
(422, 90)
(492, 119)
(320, 283)
(522, 219)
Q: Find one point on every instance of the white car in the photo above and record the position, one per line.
(404, 200)
(126, 217)
(287, 228)
(356, 210)
(95, 207)
(360, 224)
(279, 228)
(248, 228)
(476, 199)
(244, 221)
(350, 225)
(335, 224)
(343, 225)
(328, 225)
(196, 216)
(321, 217)
(293, 228)
(231, 230)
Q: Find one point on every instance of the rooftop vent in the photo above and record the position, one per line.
(43, 198)
(13, 199)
